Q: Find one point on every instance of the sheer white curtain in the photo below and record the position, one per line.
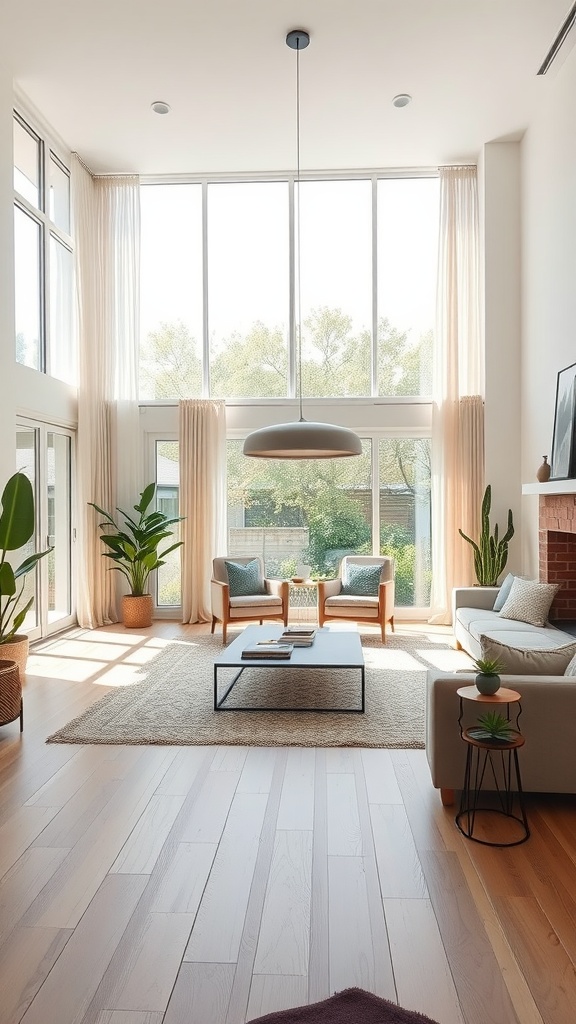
(202, 434)
(106, 216)
(458, 385)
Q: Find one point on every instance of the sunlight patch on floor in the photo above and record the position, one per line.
(447, 661)
(58, 667)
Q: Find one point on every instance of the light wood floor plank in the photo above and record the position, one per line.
(68, 989)
(25, 962)
(381, 781)
(201, 994)
(344, 833)
(283, 943)
(238, 1005)
(258, 769)
(182, 772)
(319, 969)
(21, 885)
(297, 800)
(220, 920)
(208, 816)
(128, 1017)
(182, 885)
(140, 851)
(384, 983)
(147, 975)
(351, 951)
(20, 831)
(399, 868)
(421, 969)
(270, 993)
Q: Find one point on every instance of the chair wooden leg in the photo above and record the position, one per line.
(224, 631)
(213, 626)
(392, 623)
(447, 797)
(457, 645)
(383, 631)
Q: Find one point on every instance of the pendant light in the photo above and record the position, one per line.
(301, 439)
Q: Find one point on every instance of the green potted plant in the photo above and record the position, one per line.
(17, 526)
(488, 680)
(491, 551)
(134, 551)
(493, 727)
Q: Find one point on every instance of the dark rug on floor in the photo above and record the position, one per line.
(353, 1006)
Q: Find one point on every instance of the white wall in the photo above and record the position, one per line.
(548, 275)
(500, 212)
(7, 396)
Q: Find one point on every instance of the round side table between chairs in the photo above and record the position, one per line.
(11, 706)
(492, 764)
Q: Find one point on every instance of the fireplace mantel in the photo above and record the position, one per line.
(552, 487)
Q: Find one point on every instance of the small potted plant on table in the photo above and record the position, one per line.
(134, 551)
(487, 679)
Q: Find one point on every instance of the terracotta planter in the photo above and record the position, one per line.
(10, 693)
(16, 650)
(137, 611)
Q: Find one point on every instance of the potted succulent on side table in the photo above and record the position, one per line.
(134, 550)
(493, 727)
(17, 526)
(491, 551)
(487, 680)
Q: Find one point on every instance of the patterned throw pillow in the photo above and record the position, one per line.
(553, 661)
(529, 601)
(245, 580)
(362, 580)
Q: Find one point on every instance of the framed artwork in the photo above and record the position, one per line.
(563, 461)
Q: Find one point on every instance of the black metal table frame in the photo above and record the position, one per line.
(265, 663)
(474, 777)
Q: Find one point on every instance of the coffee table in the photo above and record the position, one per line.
(331, 649)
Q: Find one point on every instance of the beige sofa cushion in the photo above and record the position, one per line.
(528, 661)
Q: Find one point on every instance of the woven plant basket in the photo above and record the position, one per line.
(137, 611)
(16, 650)
(10, 692)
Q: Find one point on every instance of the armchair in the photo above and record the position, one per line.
(226, 609)
(333, 604)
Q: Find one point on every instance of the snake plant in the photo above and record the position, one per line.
(491, 551)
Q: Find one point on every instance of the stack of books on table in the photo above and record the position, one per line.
(277, 649)
(298, 636)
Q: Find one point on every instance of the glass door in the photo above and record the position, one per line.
(44, 453)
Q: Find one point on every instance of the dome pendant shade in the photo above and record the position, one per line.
(302, 440)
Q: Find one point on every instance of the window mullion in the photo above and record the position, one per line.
(292, 369)
(205, 325)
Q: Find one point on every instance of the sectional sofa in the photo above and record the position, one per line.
(548, 718)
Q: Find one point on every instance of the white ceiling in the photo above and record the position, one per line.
(93, 67)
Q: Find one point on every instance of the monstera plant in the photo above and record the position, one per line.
(17, 527)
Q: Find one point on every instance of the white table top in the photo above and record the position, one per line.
(331, 649)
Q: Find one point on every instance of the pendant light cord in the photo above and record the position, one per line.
(298, 290)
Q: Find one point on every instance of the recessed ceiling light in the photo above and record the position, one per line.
(402, 99)
(159, 107)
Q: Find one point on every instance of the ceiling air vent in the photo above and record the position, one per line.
(553, 52)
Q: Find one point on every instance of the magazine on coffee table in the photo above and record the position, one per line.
(268, 649)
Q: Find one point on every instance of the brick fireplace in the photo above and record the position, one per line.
(557, 551)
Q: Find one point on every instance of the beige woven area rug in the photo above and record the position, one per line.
(170, 700)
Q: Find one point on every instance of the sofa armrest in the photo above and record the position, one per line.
(473, 597)
(220, 595)
(386, 598)
(280, 588)
(328, 588)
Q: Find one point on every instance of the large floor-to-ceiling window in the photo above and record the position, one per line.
(221, 307)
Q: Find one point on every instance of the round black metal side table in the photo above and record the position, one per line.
(492, 764)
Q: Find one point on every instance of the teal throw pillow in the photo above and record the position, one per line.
(502, 595)
(362, 580)
(245, 580)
